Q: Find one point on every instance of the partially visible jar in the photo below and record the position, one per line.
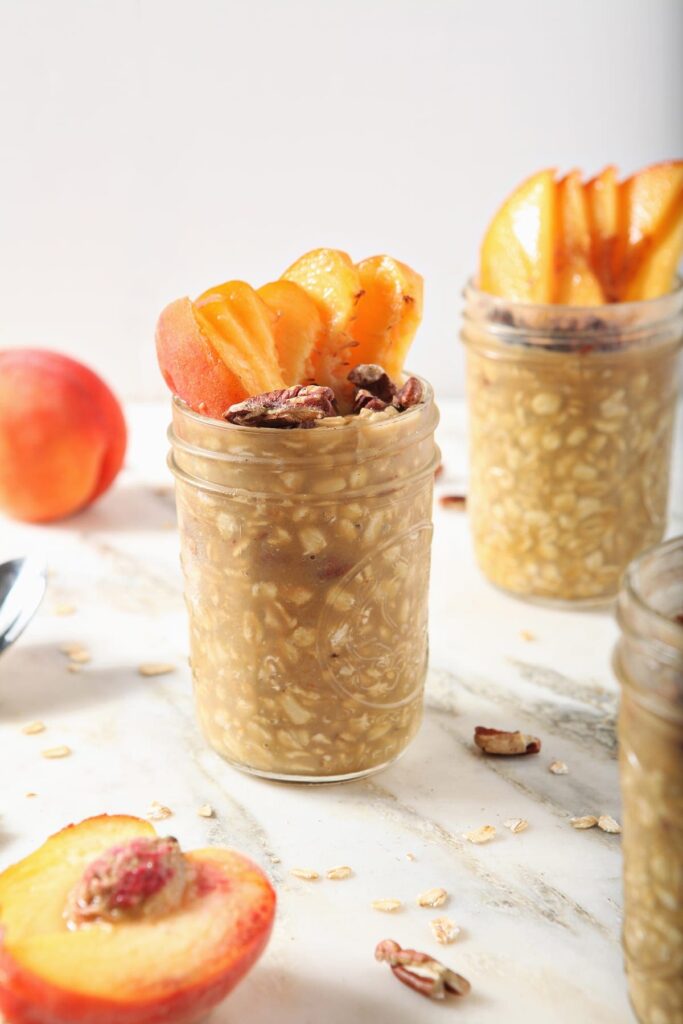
(306, 557)
(571, 422)
(649, 663)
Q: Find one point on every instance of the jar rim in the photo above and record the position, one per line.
(248, 429)
(631, 585)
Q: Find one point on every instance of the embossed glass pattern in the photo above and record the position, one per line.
(306, 562)
(649, 663)
(571, 422)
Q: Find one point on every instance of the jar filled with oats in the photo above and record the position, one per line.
(571, 415)
(306, 559)
(649, 663)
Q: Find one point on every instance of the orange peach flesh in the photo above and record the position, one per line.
(137, 971)
(577, 283)
(388, 314)
(298, 329)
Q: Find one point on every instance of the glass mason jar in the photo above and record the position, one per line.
(649, 663)
(306, 558)
(571, 416)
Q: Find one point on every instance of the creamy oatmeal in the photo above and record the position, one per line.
(649, 662)
(306, 562)
(571, 421)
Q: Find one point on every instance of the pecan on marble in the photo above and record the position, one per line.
(498, 741)
(420, 971)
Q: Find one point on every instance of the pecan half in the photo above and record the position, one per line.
(412, 393)
(375, 379)
(498, 741)
(453, 501)
(298, 406)
(366, 400)
(420, 971)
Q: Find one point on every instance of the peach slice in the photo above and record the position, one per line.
(517, 254)
(134, 969)
(239, 325)
(330, 278)
(298, 329)
(602, 194)
(388, 315)
(651, 230)
(576, 282)
(190, 365)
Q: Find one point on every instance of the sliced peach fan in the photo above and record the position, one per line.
(583, 245)
(183, 928)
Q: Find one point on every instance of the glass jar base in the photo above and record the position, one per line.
(312, 780)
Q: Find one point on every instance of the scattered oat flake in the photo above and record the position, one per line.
(80, 655)
(64, 609)
(155, 668)
(342, 871)
(386, 906)
(586, 821)
(484, 834)
(444, 930)
(74, 668)
(53, 753)
(306, 874)
(608, 824)
(31, 728)
(525, 634)
(206, 811)
(273, 859)
(516, 824)
(158, 812)
(432, 898)
(411, 856)
(29, 796)
(558, 768)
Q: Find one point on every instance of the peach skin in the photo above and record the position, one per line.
(62, 435)
(107, 923)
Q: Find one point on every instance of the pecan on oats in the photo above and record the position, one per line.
(366, 400)
(499, 741)
(412, 393)
(374, 380)
(298, 406)
(420, 971)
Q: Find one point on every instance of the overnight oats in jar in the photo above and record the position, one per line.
(305, 527)
(572, 385)
(649, 663)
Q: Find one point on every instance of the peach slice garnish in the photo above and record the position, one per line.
(191, 366)
(239, 325)
(171, 969)
(577, 283)
(602, 194)
(651, 230)
(330, 278)
(298, 328)
(517, 254)
(388, 314)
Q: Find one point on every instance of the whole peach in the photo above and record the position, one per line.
(62, 435)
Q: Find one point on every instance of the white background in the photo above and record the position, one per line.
(151, 148)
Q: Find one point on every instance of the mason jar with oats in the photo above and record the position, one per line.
(306, 556)
(649, 663)
(571, 414)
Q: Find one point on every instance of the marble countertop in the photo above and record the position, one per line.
(539, 910)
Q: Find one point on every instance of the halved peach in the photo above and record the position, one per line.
(388, 314)
(240, 327)
(517, 254)
(298, 329)
(191, 366)
(602, 194)
(171, 969)
(577, 283)
(651, 226)
(330, 278)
